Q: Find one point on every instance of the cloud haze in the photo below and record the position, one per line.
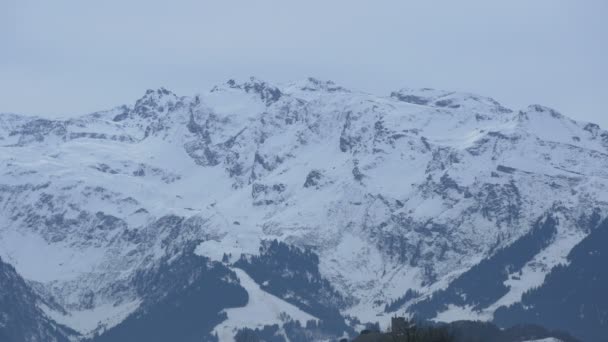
(72, 57)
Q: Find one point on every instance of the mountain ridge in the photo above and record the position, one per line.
(402, 192)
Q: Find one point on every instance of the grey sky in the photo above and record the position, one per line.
(72, 57)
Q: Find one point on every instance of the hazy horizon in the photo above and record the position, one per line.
(68, 58)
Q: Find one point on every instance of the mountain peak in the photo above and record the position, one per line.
(536, 108)
(450, 100)
(155, 101)
(267, 92)
(368, 194)
(315, 84)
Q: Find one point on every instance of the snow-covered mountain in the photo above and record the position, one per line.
(324, 204)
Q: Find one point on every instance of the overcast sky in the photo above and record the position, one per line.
(60, 58)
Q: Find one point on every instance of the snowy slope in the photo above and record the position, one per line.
(262, 309)
(398, 192)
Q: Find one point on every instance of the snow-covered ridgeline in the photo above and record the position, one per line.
(397, 192)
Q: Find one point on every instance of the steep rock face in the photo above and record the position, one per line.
(394, 195)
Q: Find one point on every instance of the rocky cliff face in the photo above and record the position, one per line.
(397, 197)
